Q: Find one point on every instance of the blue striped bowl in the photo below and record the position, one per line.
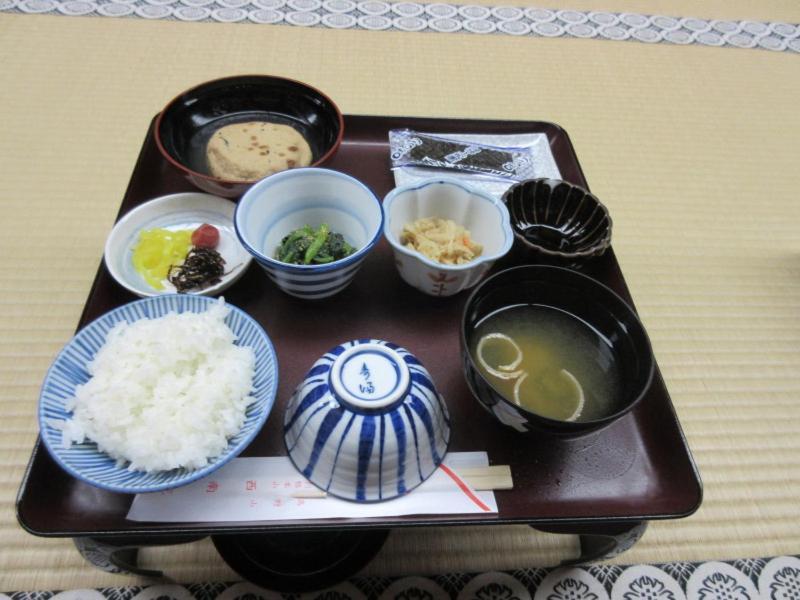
(281, 203)
(367, 424)
(84, 461)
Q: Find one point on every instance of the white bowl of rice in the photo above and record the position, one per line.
(158, 393)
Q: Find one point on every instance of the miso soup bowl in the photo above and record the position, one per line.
(582, 297)
(485, 217)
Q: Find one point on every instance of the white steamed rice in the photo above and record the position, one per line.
(165, 392)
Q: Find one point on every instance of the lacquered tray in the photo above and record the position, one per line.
(638, 469)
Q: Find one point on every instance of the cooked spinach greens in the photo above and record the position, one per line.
(307, 246)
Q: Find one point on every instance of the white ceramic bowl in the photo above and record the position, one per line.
(69, 370)
(366, 423)
(281, 203)
(485, 217)
(177, 211)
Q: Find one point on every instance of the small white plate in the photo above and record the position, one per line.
(176, 211)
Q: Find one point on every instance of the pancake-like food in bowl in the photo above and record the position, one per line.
(252, 150)
(225, 134)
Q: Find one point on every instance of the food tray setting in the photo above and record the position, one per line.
(636, 469)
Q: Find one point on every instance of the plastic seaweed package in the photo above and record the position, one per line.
(413, 149)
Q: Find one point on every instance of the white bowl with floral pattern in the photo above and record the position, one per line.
(485, 217)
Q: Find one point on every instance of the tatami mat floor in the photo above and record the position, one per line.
(692, 148)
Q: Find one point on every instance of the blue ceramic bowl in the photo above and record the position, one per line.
(367, 424)
(281, 203)
(84, 461)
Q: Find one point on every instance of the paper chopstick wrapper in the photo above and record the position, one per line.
(271, 489)
(496, 477)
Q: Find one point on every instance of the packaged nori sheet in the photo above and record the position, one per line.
(413, 149)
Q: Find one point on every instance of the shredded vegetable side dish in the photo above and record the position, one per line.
(441, 240)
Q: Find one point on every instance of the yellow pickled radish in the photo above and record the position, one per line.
(157, 250)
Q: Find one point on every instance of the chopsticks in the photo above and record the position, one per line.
(495, 477)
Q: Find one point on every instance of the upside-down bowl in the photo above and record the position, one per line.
(366, 423)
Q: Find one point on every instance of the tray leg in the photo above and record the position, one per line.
(299, 562)
(120, 556)
(599, 541)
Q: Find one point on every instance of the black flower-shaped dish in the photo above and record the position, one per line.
(557, 221)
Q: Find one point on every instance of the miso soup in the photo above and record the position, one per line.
(548, 362)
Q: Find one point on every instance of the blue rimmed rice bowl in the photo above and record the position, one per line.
(85, 461)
